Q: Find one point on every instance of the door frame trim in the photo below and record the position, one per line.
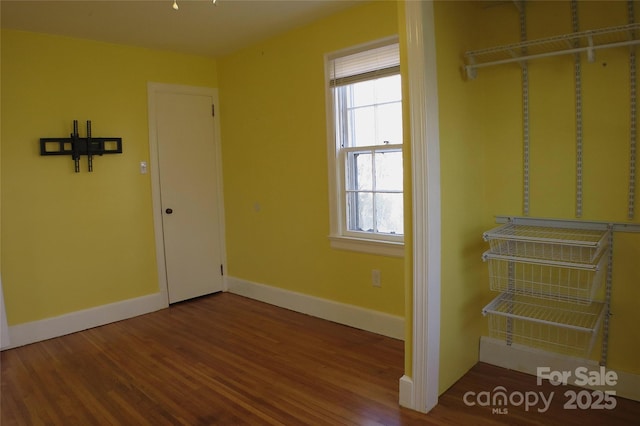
(152, 90)
(420, 391)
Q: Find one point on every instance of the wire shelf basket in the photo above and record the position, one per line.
(547, 243)
(552, 325)
(570, 282)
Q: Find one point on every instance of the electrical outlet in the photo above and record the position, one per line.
(375, 278)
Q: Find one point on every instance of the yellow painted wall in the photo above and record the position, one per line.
(74, 241)
(481, 148)
(462, 196)
(274, 145)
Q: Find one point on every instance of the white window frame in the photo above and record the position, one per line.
(340, 237)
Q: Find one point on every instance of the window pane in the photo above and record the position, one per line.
(359, 171)
(389, 214)
(388, 89)
(362, 94)
(362, 126)
(389, 123)
(389, 171)
(360, 211)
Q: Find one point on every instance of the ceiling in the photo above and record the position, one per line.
(198, 27)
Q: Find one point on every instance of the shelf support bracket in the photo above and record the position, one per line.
(519, 4)
(470, 70)
(591, 53)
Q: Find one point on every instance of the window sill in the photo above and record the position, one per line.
(382, 248)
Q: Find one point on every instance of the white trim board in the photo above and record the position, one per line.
(342, 313)
(420, 392)
(526, 360)
(48, 328)
(405, 391)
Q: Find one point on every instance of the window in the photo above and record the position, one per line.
(365, 148)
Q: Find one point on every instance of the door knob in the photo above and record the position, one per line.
(168, 211)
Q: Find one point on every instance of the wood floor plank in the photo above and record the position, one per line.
(228, 360)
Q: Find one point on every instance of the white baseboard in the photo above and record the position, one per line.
(353, 316)
(406, 392)
(35, 331)
(527, 360)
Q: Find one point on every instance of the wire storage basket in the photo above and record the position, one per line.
(548, 243)
(566, 281)
(545, 324)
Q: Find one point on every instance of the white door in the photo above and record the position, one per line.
(188, 192)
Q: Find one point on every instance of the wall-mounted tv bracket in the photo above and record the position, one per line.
(77, 146)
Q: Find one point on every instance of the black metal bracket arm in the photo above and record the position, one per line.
(77, 146)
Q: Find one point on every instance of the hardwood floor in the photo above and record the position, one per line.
(228, 360)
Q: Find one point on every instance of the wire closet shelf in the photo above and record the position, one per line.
(572, 43)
